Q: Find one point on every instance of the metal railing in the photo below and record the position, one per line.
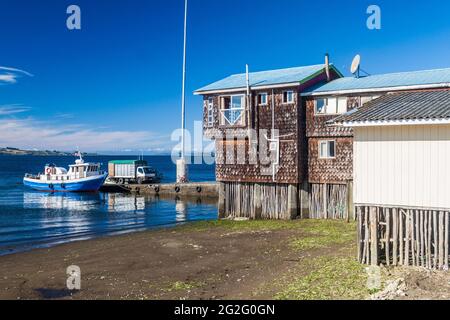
(232, 117)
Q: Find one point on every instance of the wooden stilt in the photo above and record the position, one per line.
(446, 231)
(417, 237)
(367, 237)
(401, 216)
(435, 240)
(413, 237)
(408, 235)
(395, 218)
(388, 235)
(429, 233)
(374, 236)
(441, 240)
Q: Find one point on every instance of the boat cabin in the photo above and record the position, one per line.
(79, 170)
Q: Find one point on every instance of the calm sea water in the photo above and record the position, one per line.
(30, 219)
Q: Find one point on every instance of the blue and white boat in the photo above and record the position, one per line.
(81, 177)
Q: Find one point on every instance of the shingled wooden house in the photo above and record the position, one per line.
(259, 129)
(330, 153)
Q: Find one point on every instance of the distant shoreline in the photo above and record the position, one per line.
(20, 152)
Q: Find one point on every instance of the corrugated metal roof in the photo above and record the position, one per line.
(416, 105)
(266, 78)
(390, 80)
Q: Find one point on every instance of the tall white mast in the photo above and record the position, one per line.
(181, 163)
(183, 98)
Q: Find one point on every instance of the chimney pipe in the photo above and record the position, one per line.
(327, 66)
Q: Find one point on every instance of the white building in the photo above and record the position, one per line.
(402, 176)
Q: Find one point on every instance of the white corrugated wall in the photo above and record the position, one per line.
(406, 166)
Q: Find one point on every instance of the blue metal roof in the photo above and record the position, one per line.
(266, 78)
(390, 80)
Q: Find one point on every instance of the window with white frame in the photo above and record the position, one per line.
(331, 105)
(232, 110)
(262, 99)
(210, 112)
(327, 149)
(288, 97)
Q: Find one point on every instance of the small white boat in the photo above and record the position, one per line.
(81, 177)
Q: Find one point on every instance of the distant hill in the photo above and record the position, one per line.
(20, 152)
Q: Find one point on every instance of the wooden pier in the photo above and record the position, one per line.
(194, 189)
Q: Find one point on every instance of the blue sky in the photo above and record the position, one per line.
(116, 84)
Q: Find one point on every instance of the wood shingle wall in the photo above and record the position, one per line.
(232, 165)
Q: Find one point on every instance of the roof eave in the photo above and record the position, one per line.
(377, 90)
(233, 90)
(383, 123)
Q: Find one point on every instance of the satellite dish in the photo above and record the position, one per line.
(356, 64)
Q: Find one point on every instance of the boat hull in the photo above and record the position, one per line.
(90, 184)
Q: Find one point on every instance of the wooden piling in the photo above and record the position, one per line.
(441, 239)
(401, 216)
(388, 235)
(430, 230)
(367, 236)
(373, 236)
(395, 237)
(446, 231)
(414, 237)
(408, 236)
